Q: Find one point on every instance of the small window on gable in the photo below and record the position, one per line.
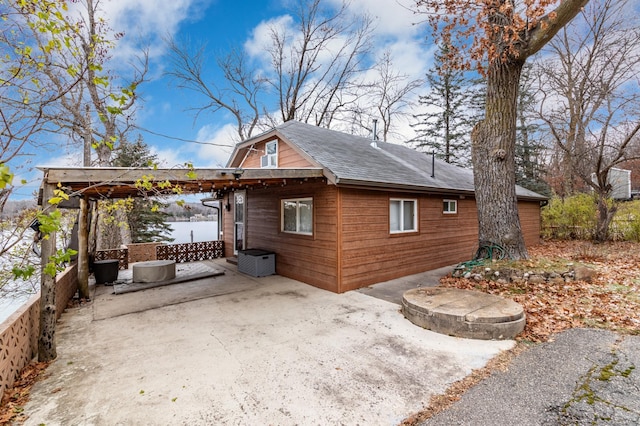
(449, 206)
(270, 157)
(403, 215)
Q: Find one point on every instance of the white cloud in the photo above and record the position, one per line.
(393, 18)
(396, 29)
(145, 23)
(256, 45)
(222, 140)
(217, 145)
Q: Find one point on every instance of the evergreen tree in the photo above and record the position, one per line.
(446, 125)
(146, 222)
(528, 149)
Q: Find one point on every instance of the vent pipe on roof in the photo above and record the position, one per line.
(374, 142)
(433, 164)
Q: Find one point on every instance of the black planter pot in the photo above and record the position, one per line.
(105, 271)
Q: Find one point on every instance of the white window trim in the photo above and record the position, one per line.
(297, 200)
(272, 159)
(415, 216)
(455, 207)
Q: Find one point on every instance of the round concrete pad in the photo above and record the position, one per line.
(463, 313)
(154, 271)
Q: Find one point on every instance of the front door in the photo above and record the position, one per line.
(239, 206)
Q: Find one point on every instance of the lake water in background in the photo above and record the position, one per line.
(183, 232)
(193, 232)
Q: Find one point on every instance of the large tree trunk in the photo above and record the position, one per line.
(493, 151)
(606, 212)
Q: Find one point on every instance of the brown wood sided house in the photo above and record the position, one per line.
(380, 211)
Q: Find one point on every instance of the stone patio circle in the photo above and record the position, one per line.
(463, 313)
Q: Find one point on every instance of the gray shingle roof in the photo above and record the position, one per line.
(353, 160)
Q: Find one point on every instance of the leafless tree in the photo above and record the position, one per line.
(386, 97)
(316, 63)
(589, 83)
(241, 96)
(313, 68)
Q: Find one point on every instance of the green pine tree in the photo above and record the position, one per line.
(445, 127)
(146, 221)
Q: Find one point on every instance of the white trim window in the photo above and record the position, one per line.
(403, 215)
(270, 157)
(449, 206)
(297, 216)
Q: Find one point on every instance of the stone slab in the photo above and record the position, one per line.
(463, 313)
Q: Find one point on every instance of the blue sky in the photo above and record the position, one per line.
(219, 24)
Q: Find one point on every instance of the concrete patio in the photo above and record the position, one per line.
(235, 349)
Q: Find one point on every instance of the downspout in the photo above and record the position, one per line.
(204, 202)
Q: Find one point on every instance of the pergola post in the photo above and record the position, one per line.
(83, 249)
(46, 340)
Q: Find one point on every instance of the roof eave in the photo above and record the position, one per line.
(364, 184)
(396, 186)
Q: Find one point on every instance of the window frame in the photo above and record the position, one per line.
(297, 201)
(269, 157)
(401, 224)
(448, 203)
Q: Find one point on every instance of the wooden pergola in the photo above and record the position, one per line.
(122, 182)
(89, 183)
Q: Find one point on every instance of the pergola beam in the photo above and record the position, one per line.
(119, 182)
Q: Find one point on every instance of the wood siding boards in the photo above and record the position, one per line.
(352, 247)
(287, 156)
(371, 254)
(310, 259)
(530, 221)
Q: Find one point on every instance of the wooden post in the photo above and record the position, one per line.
(46, 340)
(83, 249)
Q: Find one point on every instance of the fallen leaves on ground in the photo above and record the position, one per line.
(611, 300)
(14, 399)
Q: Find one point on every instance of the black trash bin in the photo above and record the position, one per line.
(105, 271)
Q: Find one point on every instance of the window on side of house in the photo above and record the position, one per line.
(449, 206)
(270, 157)
(297, 216)
(403, 215)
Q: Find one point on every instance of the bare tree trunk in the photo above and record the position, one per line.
(46, 340)
(87, 139)
(83, 249)
(93, 230)
(123, 227)
(493, 152)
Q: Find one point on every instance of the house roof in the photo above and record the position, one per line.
(355, 161)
